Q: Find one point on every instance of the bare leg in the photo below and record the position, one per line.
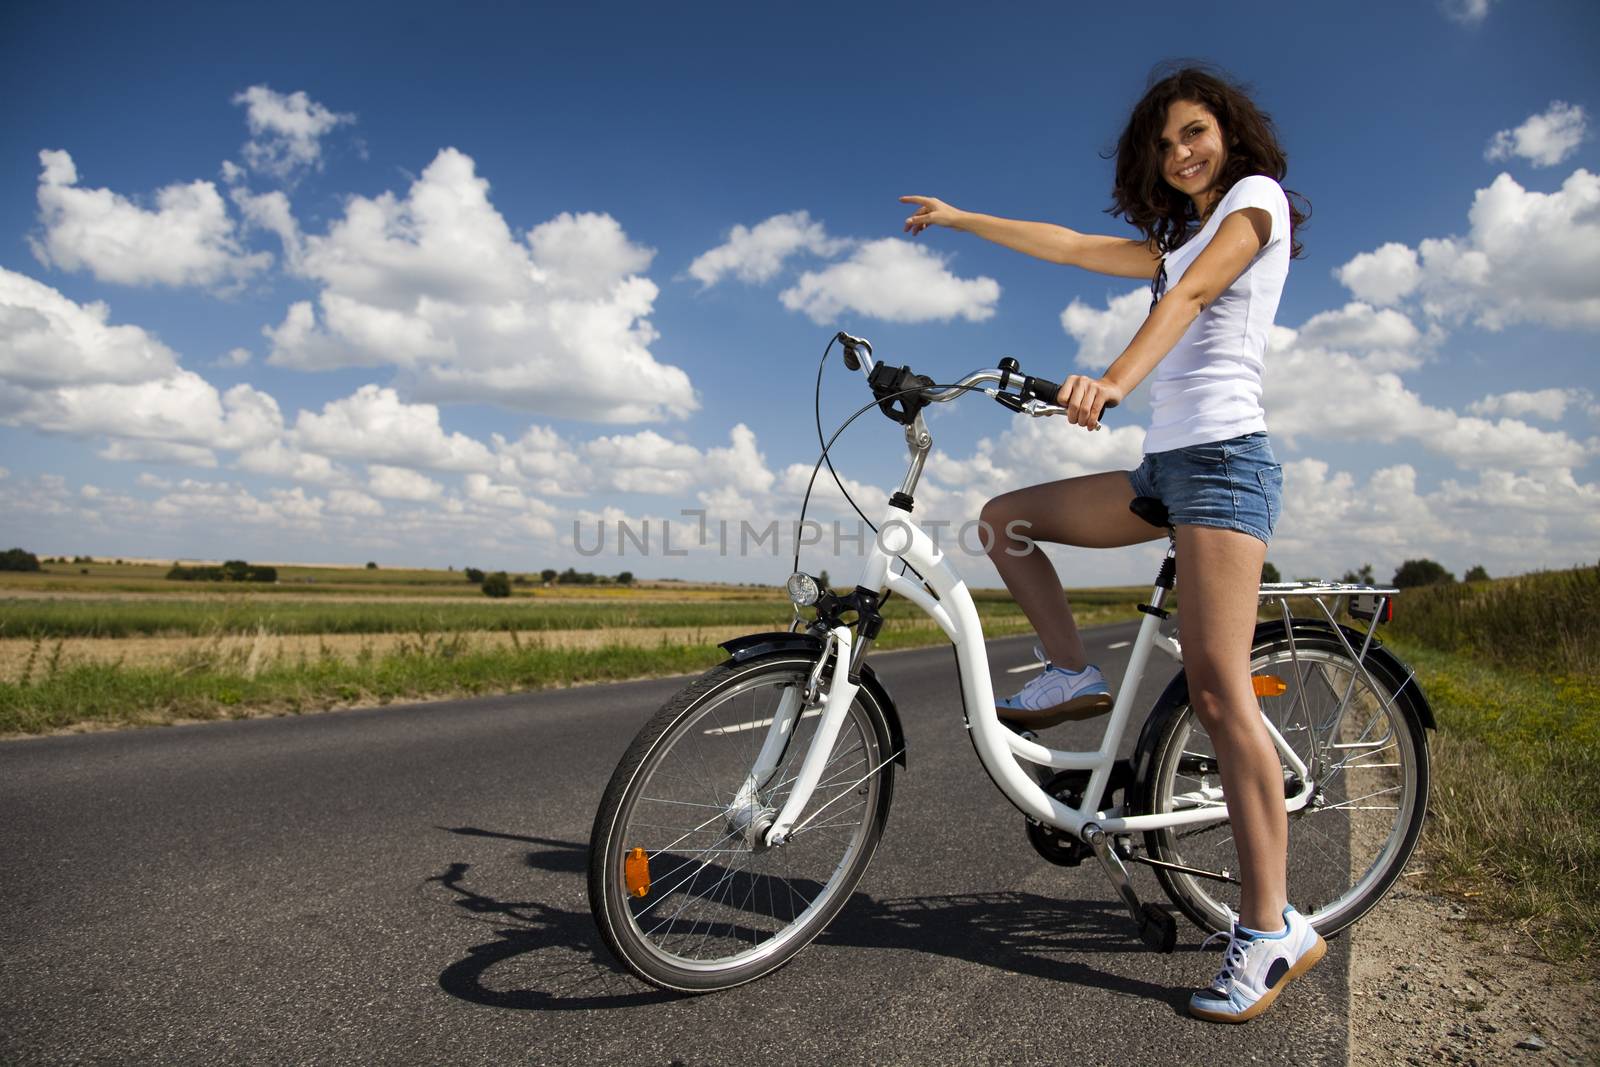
(1218, 571)
(1087, 512)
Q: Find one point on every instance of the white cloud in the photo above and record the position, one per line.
(352, 502)
(188, 240)
(585, 254)
(1466, 12)
(894, 280)
(1544, 139)
(373, 424)
(281, 460)
(124, 450)
(181, 409)
(1510, 522)
(1542, 403)
(437, 285)
(1102, 335)
(48, 340)
(1528, 257)
(234, 357)
(1330, 395)
(756, 254)
(399, 483)
(286, 131)
(1387, 339)
(1384, 276)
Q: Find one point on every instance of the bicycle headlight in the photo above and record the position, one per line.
(803, 590)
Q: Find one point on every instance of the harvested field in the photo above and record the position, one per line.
(261, 648)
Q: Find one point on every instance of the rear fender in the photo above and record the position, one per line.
(750, 646)
(1383, 664)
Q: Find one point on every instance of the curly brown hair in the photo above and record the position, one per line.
(1141, 194)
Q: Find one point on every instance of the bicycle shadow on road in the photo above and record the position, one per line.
(554, 959)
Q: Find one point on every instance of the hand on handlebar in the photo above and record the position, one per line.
(1086, 398)
(931, 211)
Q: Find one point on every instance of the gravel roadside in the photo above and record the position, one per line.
(1429, 985)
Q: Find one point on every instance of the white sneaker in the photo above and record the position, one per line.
(1056, 695)
(1255, 969)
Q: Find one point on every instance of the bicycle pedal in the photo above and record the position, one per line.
(1157, 928)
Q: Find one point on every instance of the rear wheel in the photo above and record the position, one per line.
(683, 893)
(1365, 746)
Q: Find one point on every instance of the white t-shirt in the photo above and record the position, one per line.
(1208, 388)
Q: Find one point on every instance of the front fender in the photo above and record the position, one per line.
(750, 646)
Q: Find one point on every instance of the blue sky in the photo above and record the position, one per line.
(258, 299)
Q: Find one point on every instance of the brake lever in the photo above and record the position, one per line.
(1031, 407)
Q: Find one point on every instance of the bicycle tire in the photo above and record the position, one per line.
(738, 913)
(1346, 849)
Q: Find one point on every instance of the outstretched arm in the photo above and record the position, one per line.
(1118, 256)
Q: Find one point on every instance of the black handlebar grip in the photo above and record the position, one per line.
(1046, 390)
(1041, 389)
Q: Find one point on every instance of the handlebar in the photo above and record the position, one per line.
(902, 394)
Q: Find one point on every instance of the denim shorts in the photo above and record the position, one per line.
(1234, 485)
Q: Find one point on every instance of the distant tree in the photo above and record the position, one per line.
(1269, 573)
(823, 582)
(521, 579)
(1477, 574)
(1363, 576)
(1415, 572)
(18, 559)
(625, 578)
(474, 575)
(497, 584)
(371, 566)
(547, 575)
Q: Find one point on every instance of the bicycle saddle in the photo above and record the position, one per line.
(1151, 510)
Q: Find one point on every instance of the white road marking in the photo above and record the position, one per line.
(1120, 644)
(1024, 668)
(755, 724)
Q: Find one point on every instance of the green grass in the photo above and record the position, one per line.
(1541, 621)
(1514, 826)
(219, 689)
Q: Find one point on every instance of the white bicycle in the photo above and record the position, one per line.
(745, 812)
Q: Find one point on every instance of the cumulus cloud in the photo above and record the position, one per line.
(1386, 275)
(286, 131)
(1102, 334)
(375, 425)
(894, 280)
(1527, 257)
(1548, 404)
(437, 285)
(353, 502)
(756, 254)
(399, 483)
(49, 340)
(1544, 139)
(1320, 393)
(189, 239)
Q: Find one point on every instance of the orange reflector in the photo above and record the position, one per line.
(1268, 685)
(636, 872)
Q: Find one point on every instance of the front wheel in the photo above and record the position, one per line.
(1362, 738)
(683, 892)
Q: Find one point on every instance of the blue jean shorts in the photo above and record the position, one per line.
(1233, 485)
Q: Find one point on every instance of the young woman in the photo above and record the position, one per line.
(1198, 172)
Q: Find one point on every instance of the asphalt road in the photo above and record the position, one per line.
(406, 884)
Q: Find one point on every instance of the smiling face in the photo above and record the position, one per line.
(1192, 152)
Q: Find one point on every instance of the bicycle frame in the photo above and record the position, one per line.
(998, 747)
